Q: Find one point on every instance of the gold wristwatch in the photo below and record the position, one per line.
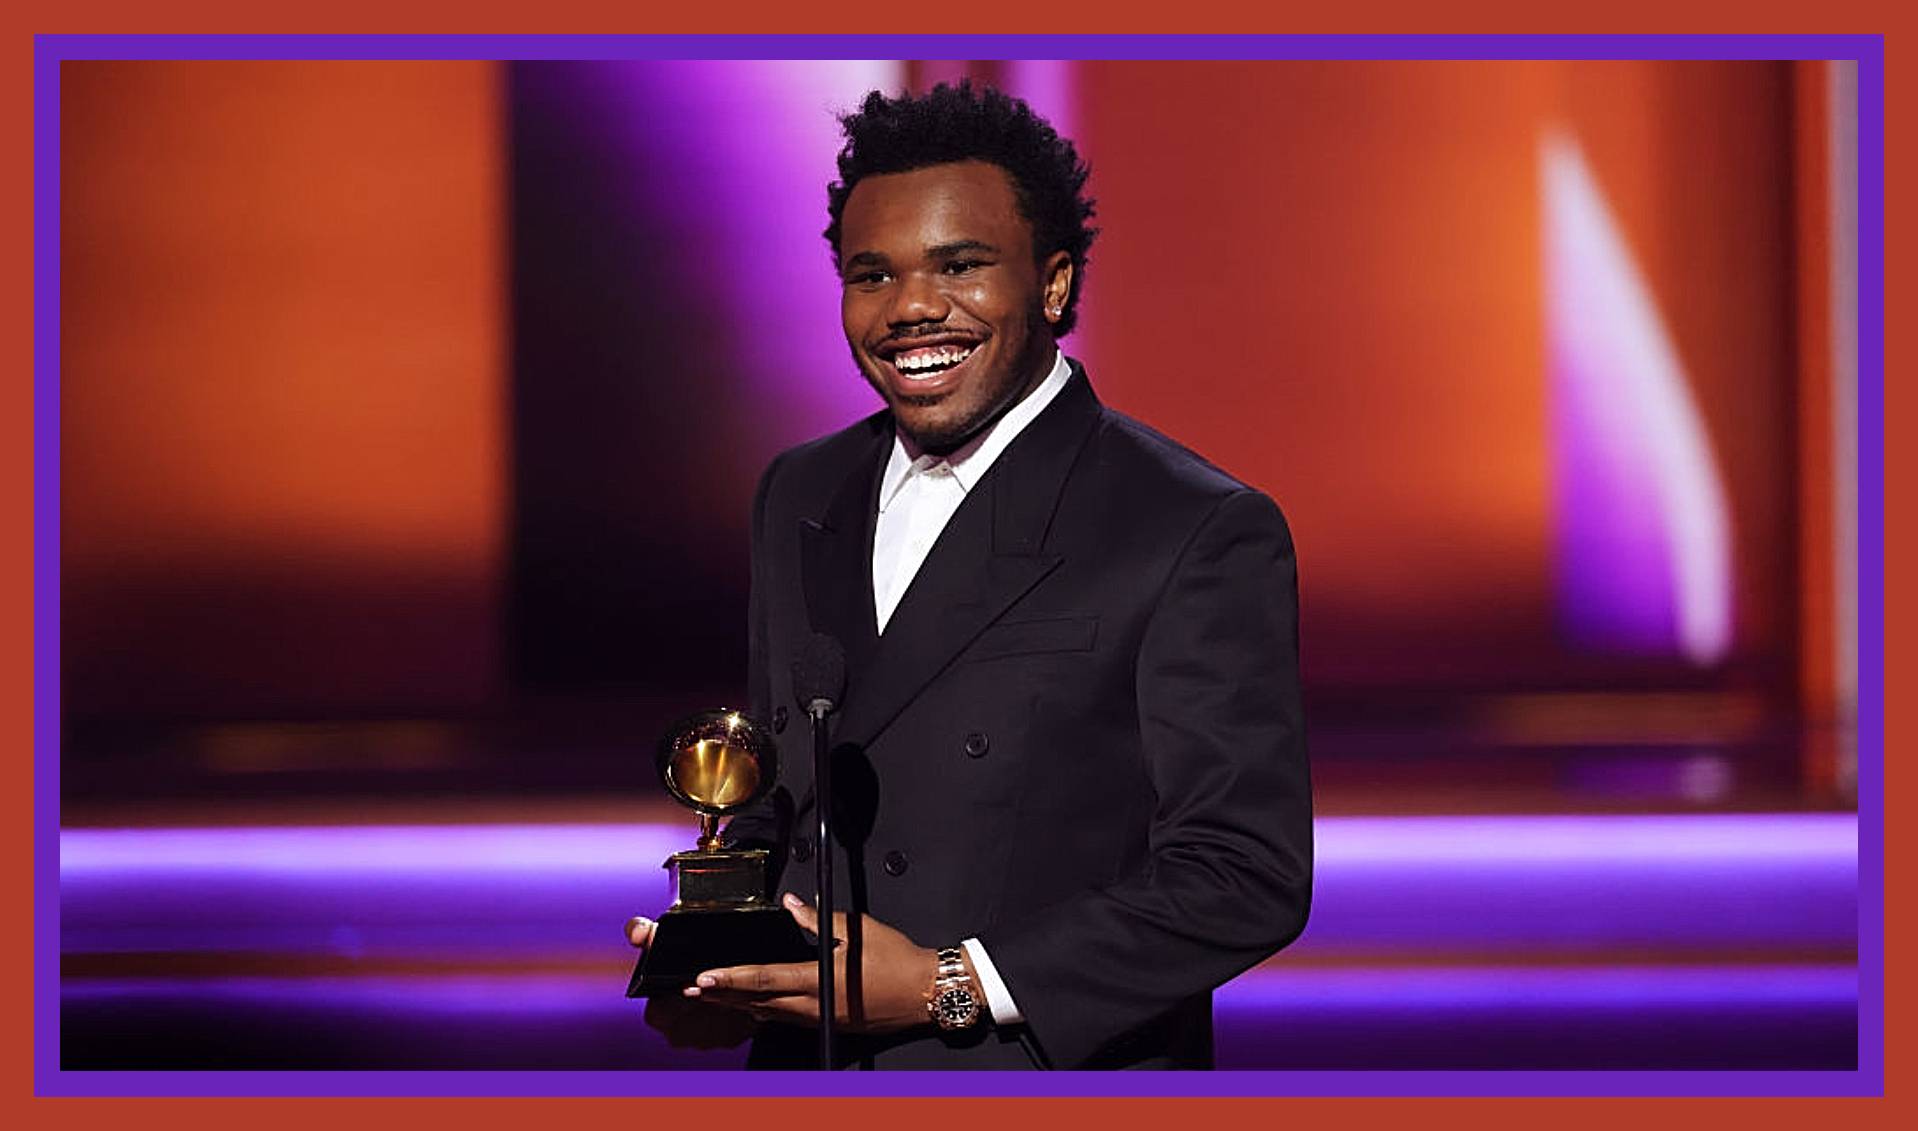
(953, 1003)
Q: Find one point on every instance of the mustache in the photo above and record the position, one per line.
(922, 330)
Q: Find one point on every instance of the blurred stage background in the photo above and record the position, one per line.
(411, 411)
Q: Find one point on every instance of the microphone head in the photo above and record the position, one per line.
(819, 674)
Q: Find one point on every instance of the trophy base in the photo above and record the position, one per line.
(689, 940)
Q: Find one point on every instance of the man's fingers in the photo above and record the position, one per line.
(639, 931)
(802, 912)
(756, 981)
(807, 916)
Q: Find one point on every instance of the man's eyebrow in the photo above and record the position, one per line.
(947, 250)
(957, 247)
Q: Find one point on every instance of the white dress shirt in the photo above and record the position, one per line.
(917, 497)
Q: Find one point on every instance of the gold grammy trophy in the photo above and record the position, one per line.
(716, 763)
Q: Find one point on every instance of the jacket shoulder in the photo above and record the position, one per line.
(1144, 459)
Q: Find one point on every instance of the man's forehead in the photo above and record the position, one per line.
(923, 210)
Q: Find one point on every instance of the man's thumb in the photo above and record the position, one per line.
(639, 931)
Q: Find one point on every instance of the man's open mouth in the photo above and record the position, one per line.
(928, 361)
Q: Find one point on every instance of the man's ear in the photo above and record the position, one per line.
(1056, 273)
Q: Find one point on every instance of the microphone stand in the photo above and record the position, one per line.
(822, 808)
(819, 682)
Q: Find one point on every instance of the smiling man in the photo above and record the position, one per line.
(947, 313)
(1069, 788)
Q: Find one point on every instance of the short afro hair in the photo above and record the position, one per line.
(946, 124)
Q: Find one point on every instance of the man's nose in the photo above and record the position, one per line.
(917, 299)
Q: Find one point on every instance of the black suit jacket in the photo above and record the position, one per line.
(1079, 739)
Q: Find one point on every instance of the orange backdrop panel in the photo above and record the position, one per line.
(282, 384)
(1328, 277)
(1345, 263)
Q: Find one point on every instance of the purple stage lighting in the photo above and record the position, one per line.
(1490, 883)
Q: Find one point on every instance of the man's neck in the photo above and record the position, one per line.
(1037, 377)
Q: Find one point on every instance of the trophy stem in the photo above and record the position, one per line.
(709, 832)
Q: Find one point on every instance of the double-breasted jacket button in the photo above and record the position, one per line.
(779, 720)
(977, 744)
(802, 848)
(896, 863)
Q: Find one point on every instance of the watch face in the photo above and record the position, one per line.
(955, 1008)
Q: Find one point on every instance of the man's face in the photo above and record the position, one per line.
(945, 310)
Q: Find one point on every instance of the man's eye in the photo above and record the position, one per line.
(963, 266)
(867, 278)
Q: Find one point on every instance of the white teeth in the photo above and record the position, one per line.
(942, 358)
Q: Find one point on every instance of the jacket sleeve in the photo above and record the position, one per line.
(1227, 877)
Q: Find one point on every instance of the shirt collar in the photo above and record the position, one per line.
(971, 460)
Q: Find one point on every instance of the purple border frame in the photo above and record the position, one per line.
(1866, 50)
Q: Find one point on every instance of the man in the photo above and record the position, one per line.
(1069, 773)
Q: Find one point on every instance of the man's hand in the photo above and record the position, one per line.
(688, 1024)
(887, 994)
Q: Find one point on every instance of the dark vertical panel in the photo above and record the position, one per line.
(629, 533)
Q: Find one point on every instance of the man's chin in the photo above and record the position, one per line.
(936, 437)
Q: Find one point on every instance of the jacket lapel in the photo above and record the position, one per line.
(836, 559)
(990, 554)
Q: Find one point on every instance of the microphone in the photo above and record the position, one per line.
(819, 683)
(819, 675)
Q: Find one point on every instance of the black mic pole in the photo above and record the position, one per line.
(822, 863)
(819, 681)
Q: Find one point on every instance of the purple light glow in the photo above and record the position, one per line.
(551, 852)
(516, 994)
(1490, 987)
(1494, 883)
(1264, 991)
(1665, 1017)
(1529, 883)
(1047, 86)
(1718, 839)
(1788, 1016)
(1645, 543)
(751, 145)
